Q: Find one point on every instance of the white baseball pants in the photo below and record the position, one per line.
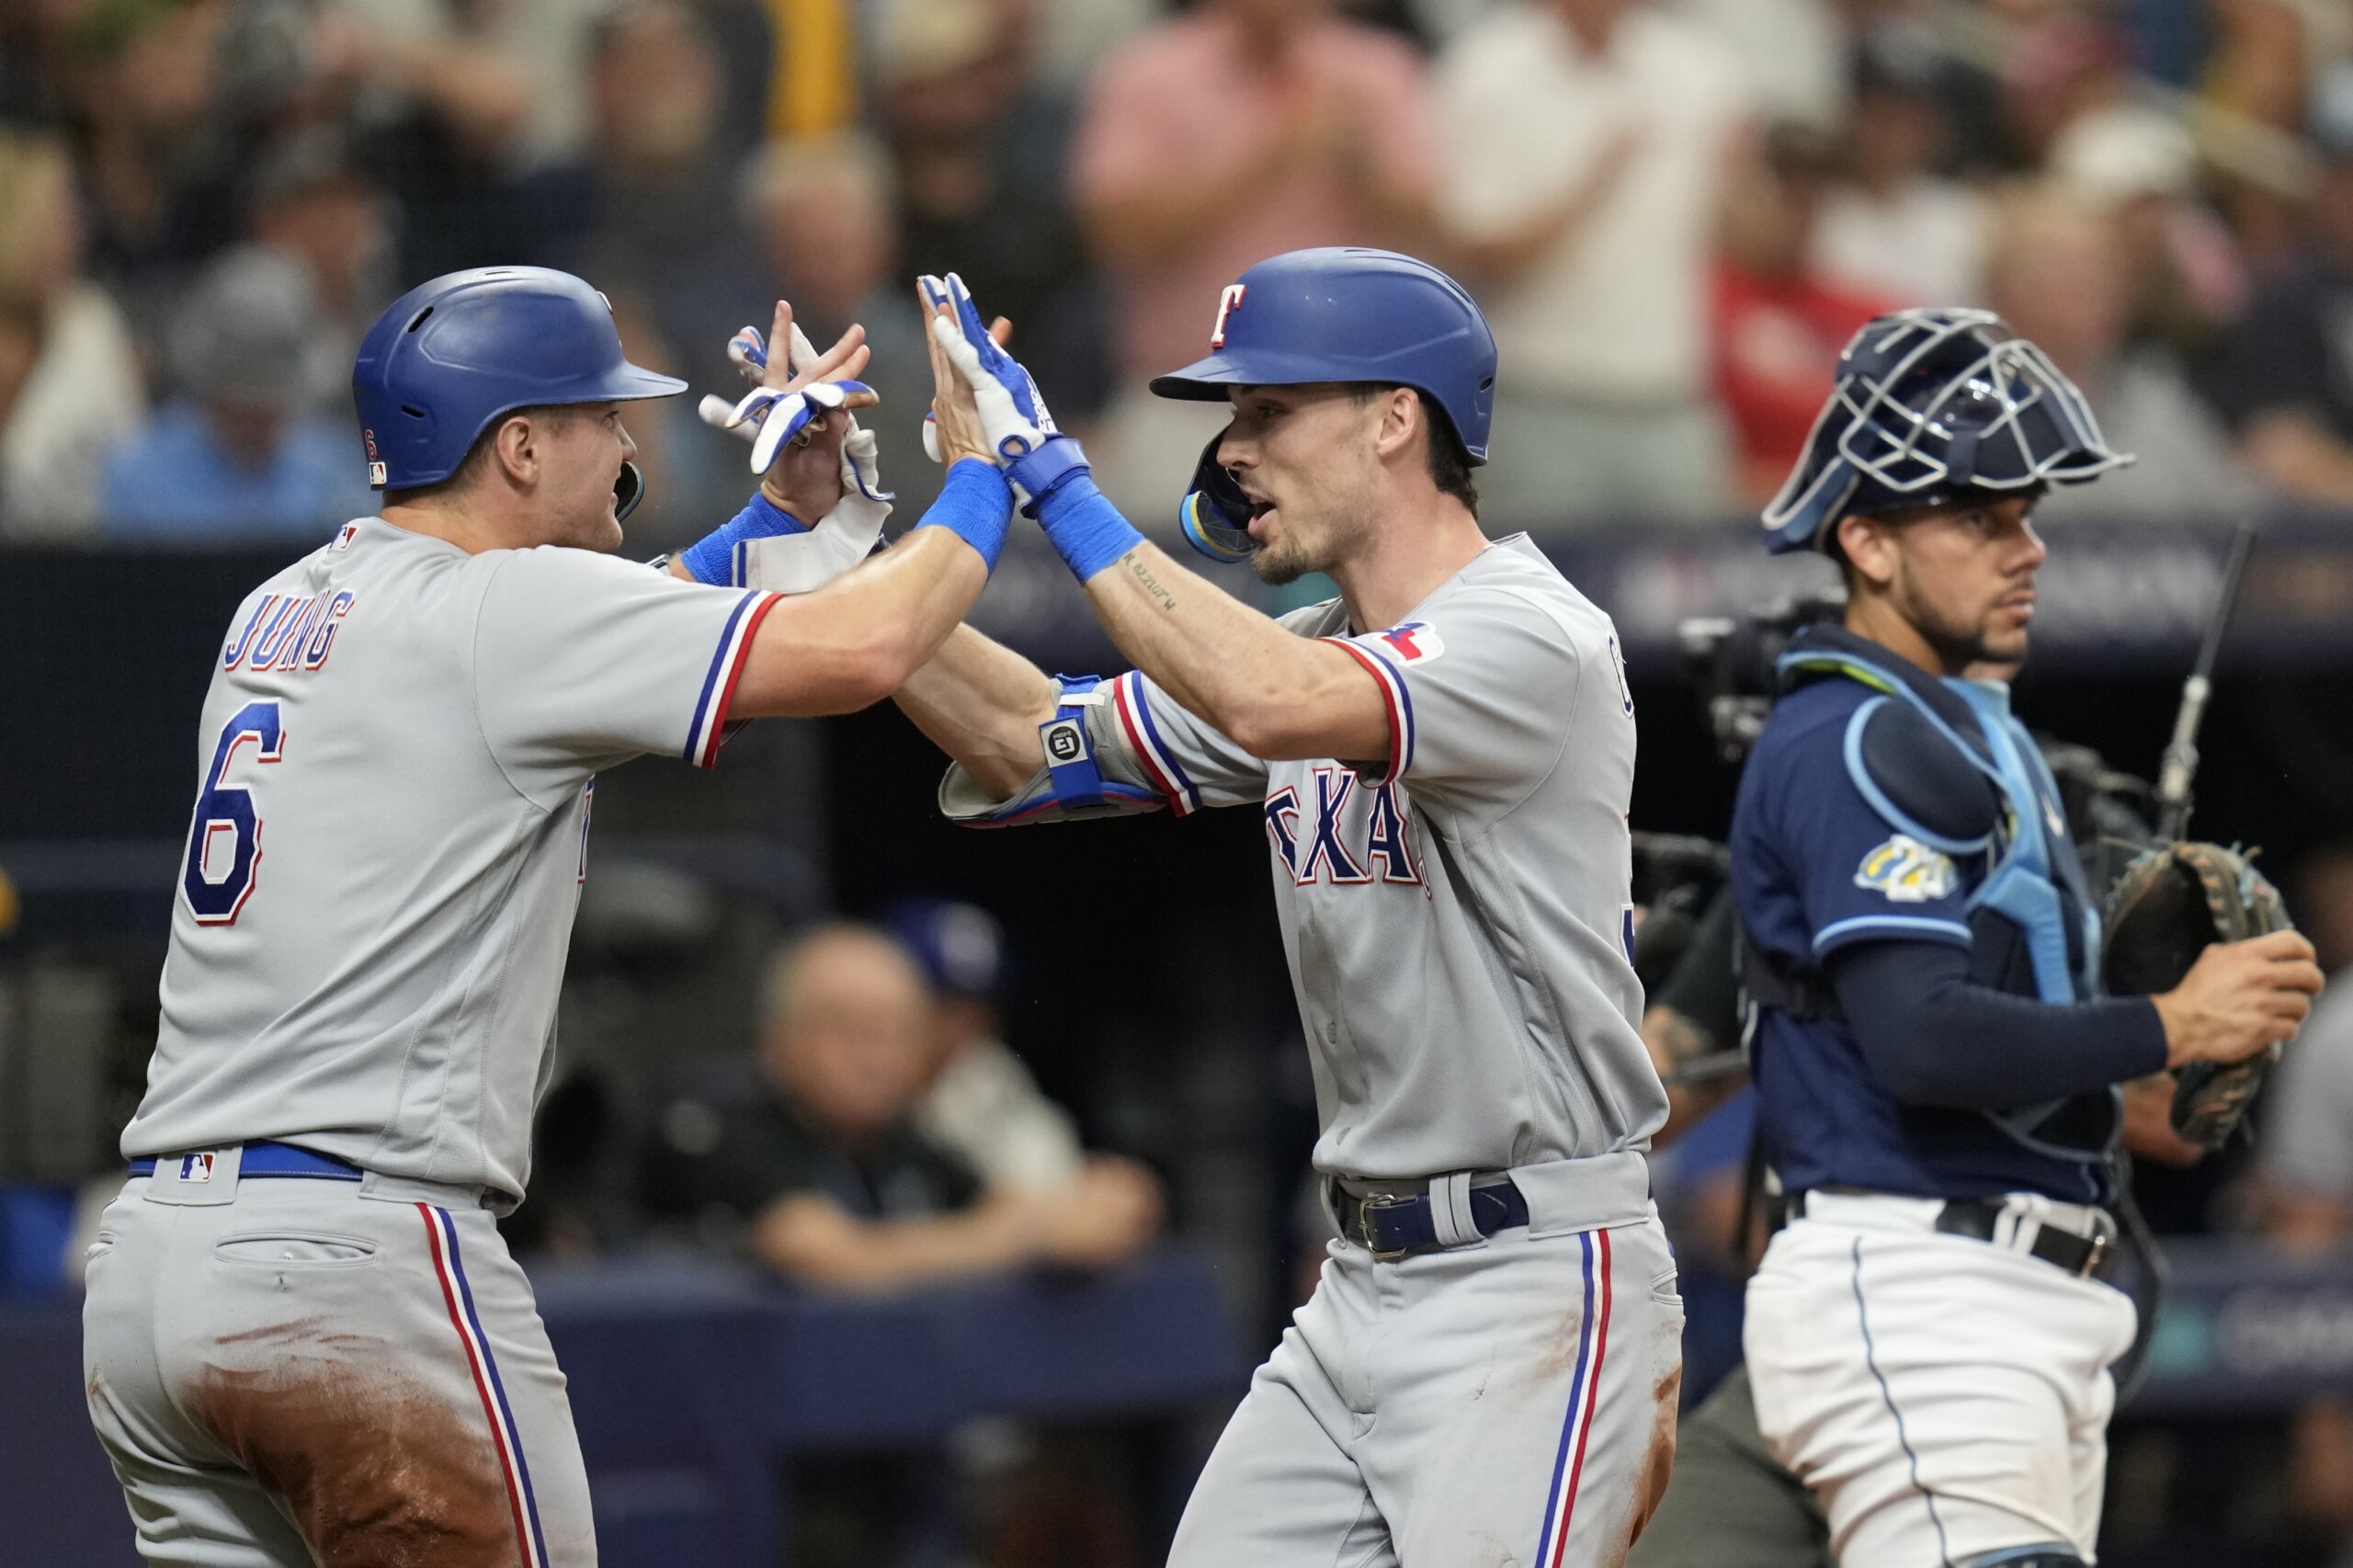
(1944, 1397)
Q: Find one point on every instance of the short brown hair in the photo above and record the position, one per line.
(1449, 461)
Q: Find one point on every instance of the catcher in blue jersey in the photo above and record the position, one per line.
(1936, 1050)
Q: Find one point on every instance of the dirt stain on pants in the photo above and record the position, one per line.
(376, 1469)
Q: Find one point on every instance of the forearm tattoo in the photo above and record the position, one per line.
(1141, 571)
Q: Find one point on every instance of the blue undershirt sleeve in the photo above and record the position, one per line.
(1932, 1036)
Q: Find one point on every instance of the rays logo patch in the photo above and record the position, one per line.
(1906, 870)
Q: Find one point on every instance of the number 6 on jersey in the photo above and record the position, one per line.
(219, 876)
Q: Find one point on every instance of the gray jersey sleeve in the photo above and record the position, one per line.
(1148, 752)
(582, 661)
(1479, 696)
(1188, 762)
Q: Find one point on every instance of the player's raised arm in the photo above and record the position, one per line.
(1276, 695)
(852, 628)
(982, 703)
(855, 641)
(1032, 747)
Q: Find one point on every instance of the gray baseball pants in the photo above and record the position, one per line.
(287, 1371)
(1508, 1402)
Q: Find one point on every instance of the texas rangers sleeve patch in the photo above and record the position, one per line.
(1414, 642)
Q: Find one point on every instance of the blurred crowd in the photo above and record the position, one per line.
(879, 1134)
(871, 1132)
(1674, 211)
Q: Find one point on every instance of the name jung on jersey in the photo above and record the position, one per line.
(287, 632)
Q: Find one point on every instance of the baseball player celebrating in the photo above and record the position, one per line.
(1442, 757)
(1929, 1336)
(305, 1340)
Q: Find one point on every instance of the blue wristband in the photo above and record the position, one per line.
(1081, 522)
(711, 559)
(975, 504)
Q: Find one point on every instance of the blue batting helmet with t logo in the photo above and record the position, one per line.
(1345, 313)
(453, 356)
(1336, 314)
(1932, 406)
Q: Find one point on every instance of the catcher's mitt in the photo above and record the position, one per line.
(2165, 908)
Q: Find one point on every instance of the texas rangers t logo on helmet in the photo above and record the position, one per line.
(1227, 303)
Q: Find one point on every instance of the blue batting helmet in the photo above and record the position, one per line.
(452, 357)
(1345, 313)
(1932, 406)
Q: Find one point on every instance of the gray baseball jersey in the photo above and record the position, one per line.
(1456, 914)
(394, 768)
(1456, 918)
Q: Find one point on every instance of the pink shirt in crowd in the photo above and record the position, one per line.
(1185, 101)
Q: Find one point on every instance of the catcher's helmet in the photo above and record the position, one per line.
(1930, 406)
(1345, 313)
(451, 356)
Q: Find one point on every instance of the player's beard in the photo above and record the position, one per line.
(1279, 564)
(1957, 644)
(1313, 536)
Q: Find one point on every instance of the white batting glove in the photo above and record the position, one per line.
(800, 563)
(1033, 452)
(768, 417)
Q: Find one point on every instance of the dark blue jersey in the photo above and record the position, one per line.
(1836, 844)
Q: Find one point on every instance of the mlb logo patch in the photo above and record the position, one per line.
(376, 474)
(344, 536)
(1416, 641)
(198, 1168)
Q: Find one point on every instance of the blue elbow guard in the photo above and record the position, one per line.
(1073, 783)
(1070, 749)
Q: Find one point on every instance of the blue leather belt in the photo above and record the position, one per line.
(265, 1158)
(1391, 1225)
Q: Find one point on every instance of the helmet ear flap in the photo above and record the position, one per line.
(629, 489)
(1215, 514)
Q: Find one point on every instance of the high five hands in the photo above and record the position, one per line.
(993, 398)
(806, 458)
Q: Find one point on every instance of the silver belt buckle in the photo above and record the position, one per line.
(1365, 1207)
(2102, 1238)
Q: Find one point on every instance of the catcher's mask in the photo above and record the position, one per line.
(1932, 406)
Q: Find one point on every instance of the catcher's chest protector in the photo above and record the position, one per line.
(1986, 794)
(1964, 780)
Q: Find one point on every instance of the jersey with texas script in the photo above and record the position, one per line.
(1456, 914)
(395, 766)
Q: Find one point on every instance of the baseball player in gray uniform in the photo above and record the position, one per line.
(305, 1340)
(1487, 1369)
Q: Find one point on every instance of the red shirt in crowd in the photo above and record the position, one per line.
(1777, 343)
